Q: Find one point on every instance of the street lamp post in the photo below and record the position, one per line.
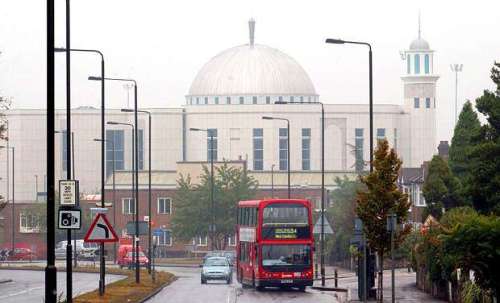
(456, 68)
(322, 232)
(212, 201)
(370, 79)
(136, 202)
(102, 78)
(126, 110)
(114, 191)
(50, 268)
(68, 50)
(288, 146)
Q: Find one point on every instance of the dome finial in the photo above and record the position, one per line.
(419, 24)
(251, 27)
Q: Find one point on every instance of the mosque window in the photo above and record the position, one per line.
(242, 100)
(416, 102)
(291, 98)
(408, 64)
(426, 63)
(280, 98)
(197, 100)
(358, 149)
(306, 149)
(228, 100)
(417, 64)
(301, 99)
(258, 149)
(212, 144)
(283, 148)
(309, 99)
(216, 100)
(268, 100)
(206, 100)
(428, 102)
(254, 100)
(380, 133)
(395, 139)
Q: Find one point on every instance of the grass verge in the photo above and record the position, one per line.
(127, 290)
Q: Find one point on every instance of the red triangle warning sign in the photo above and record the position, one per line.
(100, 230)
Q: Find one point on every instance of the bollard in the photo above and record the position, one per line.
(336, 276)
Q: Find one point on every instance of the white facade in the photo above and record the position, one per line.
(267, 76)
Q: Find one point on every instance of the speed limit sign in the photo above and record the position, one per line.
(68, 192)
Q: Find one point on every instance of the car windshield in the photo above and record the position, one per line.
(285, 214)
(286, 255)
(216, 262)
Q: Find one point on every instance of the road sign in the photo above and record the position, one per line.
(158, 232)
(327, 227)
(143, 228)
(101, 231)
(68, 192)
(70, 219)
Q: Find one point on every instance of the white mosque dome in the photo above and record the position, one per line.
(419, 44)
(251, 74)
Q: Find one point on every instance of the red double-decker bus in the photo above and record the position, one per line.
(275, 243)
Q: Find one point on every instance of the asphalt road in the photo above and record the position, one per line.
(29, 286)
(188, 288)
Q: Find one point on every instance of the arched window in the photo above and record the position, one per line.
(408, 64)
(417, 64)
(228, 100)
(426, 63)
(216, 100)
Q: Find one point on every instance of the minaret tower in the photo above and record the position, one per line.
(419, 83)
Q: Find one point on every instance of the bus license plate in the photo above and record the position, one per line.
(286, 281)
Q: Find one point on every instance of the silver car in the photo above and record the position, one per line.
(216, 268)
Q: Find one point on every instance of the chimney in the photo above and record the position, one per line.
(443, 149)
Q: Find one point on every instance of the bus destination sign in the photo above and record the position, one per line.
(285, 233)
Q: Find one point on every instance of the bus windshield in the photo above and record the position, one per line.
(286, 255)
(285, 214)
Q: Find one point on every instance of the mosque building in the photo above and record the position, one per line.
(228, 98)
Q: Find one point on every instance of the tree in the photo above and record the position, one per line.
(4, 105)
(473, 245)
(467, 128)
(192, 215)
(341, 215)
(440, 188)
(484, 180)
(381, 198)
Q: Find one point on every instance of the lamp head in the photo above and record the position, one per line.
(335, 41)
(195, 129)
(59, 49)
(127, 110)
(112, 123)
(267, 118)
(98, 140)
(94, 78)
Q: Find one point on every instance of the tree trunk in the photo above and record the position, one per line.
(381, 277)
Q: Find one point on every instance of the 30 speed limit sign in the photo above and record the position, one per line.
(68, 192)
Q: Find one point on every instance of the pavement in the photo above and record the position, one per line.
(29, 286)
(405, 290)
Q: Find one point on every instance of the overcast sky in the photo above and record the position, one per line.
(163, 44)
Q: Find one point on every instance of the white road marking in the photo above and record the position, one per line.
(21, 292)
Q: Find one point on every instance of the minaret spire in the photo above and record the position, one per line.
(251, 27)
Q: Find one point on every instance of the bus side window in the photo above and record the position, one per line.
(246, 216)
